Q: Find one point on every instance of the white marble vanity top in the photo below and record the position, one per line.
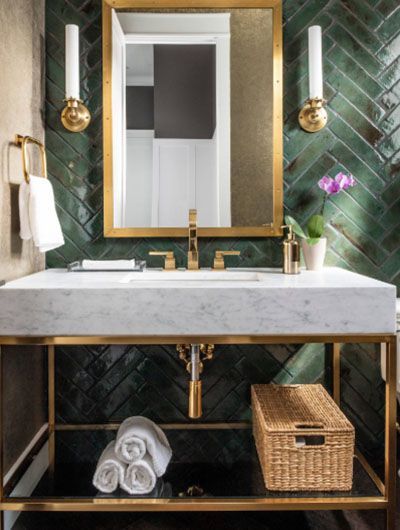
(266, 302)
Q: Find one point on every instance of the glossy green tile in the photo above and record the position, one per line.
(360, 238)
(355, 165)
(391, 216)
(66, 13)
(359, 145)
(391, 75)
(355, 94)
(344, 62)
(301, 19)
(353, 255)
(363, 88)
(351, 114)
(390, 145)
(365, 219)
(297, 196)
(390, 26)
(390, 52)
(392, 121)
(392, 192)
(387, 7)
(363, 32)
(391, 267)
(362, 56)
(371, 18)
(306, 158)
(391, 242)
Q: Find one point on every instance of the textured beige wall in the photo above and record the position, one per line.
(21, 104)
(251, 117)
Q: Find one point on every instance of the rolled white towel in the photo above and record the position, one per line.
(109, 471)
(38, 216)
(140, 477)
(138, 435)
(108, 264)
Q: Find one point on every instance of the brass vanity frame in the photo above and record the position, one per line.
(387, 487)
(268, 230)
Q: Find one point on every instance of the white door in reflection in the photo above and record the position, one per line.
(176, 110)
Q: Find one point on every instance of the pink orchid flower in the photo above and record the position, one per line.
(334, 186)
(345, 181)
(330, 186)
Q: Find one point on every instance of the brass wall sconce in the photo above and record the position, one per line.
(313, 116)
(75, 116)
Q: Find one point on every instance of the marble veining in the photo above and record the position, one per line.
(333, 301)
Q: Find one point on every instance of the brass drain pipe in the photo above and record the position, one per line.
(195, 407)
(194, 355)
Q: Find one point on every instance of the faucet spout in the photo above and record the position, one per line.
(193, 251)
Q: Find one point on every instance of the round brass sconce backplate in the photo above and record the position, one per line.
(313, 117)
(75, 116)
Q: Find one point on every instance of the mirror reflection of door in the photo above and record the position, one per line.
(196, 122)
(177, 141)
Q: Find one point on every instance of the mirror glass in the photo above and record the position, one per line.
(192, 118)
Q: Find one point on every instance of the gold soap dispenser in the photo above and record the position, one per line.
(291, 252)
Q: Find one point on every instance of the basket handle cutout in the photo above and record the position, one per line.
(312, 440)
(309, 425)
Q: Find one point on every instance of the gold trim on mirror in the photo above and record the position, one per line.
(267, 230)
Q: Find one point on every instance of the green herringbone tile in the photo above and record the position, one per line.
(362, 83)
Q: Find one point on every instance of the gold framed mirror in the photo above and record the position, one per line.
(192, 117)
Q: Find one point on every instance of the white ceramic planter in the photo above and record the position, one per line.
(314, 255)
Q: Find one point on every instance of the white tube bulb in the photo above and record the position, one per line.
(71, 61)
(315, 62)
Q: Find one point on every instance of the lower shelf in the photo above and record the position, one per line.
(222, 462)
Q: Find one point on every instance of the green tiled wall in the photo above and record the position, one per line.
(362, 85)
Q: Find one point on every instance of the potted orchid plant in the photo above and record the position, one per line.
(313, 243)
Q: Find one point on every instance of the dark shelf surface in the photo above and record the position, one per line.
(223, 463)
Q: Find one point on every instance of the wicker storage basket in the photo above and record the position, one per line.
(304, 441)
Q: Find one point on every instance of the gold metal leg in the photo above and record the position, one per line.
(336, 372)
(390, 434)
(51, 407)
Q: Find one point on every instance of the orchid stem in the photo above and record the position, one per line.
(323, 204)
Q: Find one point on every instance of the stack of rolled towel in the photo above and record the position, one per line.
(134, 460)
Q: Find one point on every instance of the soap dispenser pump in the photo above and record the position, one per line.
(291, 252)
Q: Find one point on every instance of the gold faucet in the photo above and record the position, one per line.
(169, 263)
(219, 263)
(193, 252)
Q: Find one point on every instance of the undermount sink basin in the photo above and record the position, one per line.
(197, 276)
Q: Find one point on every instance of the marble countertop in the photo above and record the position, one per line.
(60, 303)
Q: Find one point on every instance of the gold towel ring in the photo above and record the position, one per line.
(23, 141)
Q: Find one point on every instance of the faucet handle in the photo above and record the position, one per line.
(169, 258)
(219, 262)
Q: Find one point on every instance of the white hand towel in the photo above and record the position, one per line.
(112, 264)
(109, 471)
(138, 435)
(38, 216)
(140, 477)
